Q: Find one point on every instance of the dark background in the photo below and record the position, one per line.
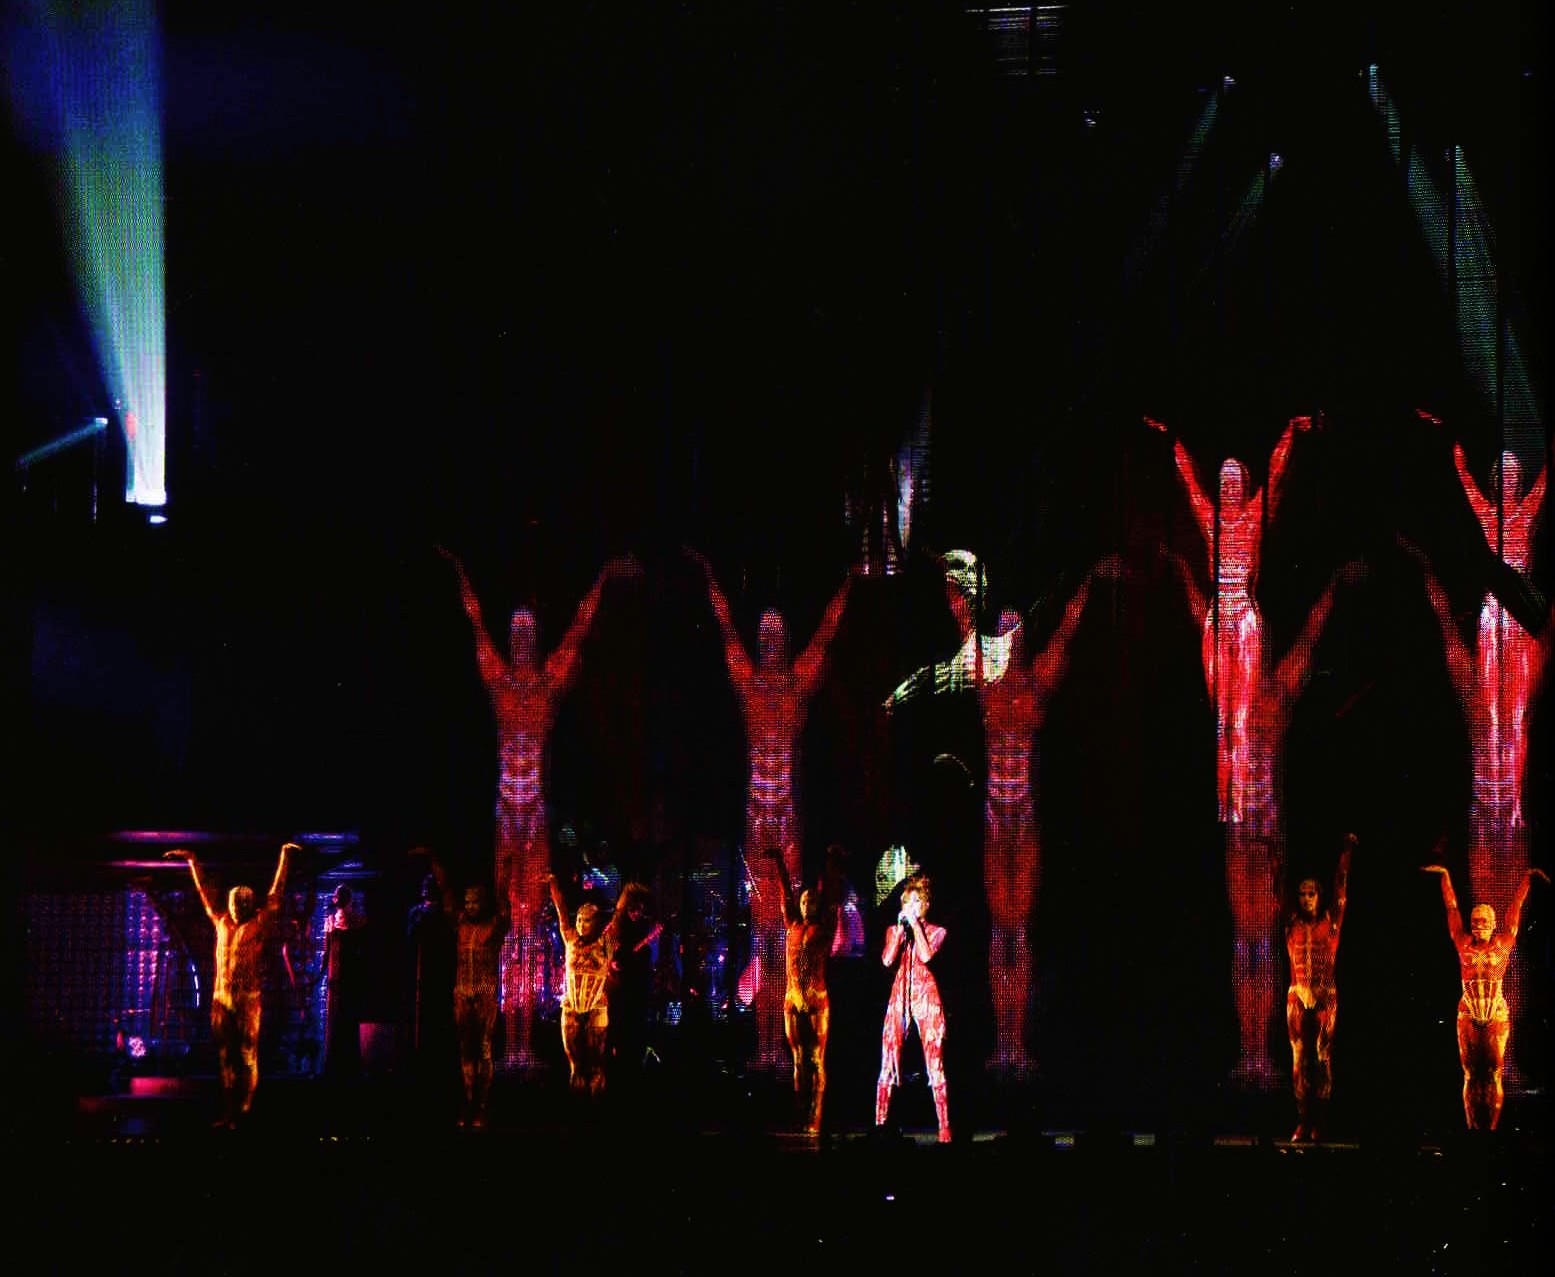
(617, 278)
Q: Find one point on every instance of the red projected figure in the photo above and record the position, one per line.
(1494, 684)
(479, 931)
(914, 1000)
(591, 944)
(1014, 701)
(1232, 528)
(774, 695)
(1014, 688)
(812, 928)
(236, 994)
(1253, 699)
(1506, 668)
(1484, 1019)
(1312, 945)
(525, 693)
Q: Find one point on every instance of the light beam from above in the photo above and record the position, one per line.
(103, 67)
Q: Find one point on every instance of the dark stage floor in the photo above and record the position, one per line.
(364, 1176)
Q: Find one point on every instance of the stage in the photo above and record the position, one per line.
(1074, 470)
(324, 1176)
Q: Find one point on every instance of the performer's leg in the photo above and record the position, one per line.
(596, 1032)
(1496, 1037)
(1295, 1028)
(485, 1017)
(248, 1051)
(820, 1022)
(1469, 1052)
(575, 1044)
(224, 1031)
(890, 1064)
(931, 1031)
(794, 1028)
(468, 1024)
(1323, 1065)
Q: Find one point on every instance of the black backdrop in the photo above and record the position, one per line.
(554, 289)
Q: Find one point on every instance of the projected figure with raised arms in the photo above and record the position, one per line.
(1312, 1004)
(1496, 678)
(237, 989)
(1484, 1018)
(1014, 685)
(1253, 699)
(774, 696)
(1232, 645)
(525, 693)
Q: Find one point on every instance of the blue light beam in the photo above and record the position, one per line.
(96, 76)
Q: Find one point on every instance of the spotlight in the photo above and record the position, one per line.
(1226, 82)
(1276, 161)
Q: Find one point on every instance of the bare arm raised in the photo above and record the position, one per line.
(1279, 459)
(1460, 665)
(1054, 658)
(735, 656)
(1291, 673)
(1341, 883)
(1198, 602)
(1450, 899)
(563, 917)
(213, 906)
(278, 883)
(1514, 913)
(812, 661)
(1484, 509)
(790, 905)
(490, 664)
(1534, 497)
(561, 667)
(1203, 508)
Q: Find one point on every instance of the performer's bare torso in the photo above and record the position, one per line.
(808, 946)
(479, 947)
(588, 964)
(1482, 967)
(239, 957)
(1311, 947)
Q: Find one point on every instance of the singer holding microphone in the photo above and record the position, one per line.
(914, 1000)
